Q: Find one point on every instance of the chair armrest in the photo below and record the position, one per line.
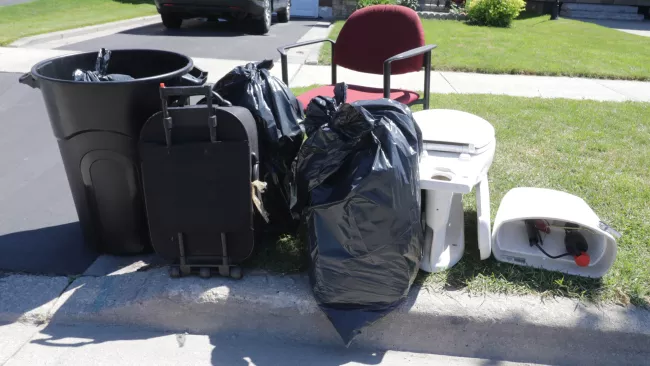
(411, 53)
(283, 57)
(283, 49)
(426, 50)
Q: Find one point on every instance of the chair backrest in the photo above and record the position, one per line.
(373, 34)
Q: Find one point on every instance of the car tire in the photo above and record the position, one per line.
(262, 25)
(284, 15)
(171, 21)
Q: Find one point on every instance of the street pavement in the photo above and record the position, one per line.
(38, 222)
(198, 38)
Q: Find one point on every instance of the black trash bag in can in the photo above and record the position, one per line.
(101, 70)
(358, 192)
(278, 114)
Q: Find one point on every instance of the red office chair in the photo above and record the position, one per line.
(381, 39)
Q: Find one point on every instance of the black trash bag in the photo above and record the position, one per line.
(101, 69)
(358, 191)
(278, 114)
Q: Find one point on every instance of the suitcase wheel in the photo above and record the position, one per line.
(205, 272)
(235, 272)
(174, 272)
(224, 271)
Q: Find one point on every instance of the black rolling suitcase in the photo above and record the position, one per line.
(198, 163)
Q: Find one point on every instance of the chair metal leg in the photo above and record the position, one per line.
(427, 79)
(285, 69)
(387, 80)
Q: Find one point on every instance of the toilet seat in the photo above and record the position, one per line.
(458, 145)
(447, 130)
(458, 151)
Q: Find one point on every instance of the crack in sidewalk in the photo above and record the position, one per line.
(448, 83)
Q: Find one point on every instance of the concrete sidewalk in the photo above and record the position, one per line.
(22, 59)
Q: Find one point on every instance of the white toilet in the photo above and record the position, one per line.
(458, 151)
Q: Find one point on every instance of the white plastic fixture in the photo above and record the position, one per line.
(458, 151)
(510, 238)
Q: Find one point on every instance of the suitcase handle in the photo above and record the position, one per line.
(186, 91)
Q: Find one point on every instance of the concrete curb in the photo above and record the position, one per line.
(309, 54)
(314, 52)
(113, 26)
(559, 331)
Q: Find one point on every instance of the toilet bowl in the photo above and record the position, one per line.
(458, 152)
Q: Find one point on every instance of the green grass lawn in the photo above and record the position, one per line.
(596, 150)
(43, 16)
(534, 46)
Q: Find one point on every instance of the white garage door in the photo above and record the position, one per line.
(304, 8)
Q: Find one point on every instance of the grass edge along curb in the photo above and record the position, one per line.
(46, 16)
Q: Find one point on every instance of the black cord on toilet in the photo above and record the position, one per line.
(574, 242)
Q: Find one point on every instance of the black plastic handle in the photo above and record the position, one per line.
(186, 92)
(196, 77)
(29, 80)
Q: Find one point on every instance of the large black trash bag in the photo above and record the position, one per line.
(278, 114)
(358, 192)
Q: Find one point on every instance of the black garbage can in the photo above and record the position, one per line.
(97, 126)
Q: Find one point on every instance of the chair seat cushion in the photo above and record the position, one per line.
(356, 92)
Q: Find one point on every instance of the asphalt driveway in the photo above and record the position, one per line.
(39, 229)
(197, 38)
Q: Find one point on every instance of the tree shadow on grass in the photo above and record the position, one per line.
(530, 14)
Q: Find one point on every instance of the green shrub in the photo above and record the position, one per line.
(366, 3)
(494, 13)
(413, 4)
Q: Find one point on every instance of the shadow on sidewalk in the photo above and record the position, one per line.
(232, 351)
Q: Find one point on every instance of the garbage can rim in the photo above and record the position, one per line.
(179, 72)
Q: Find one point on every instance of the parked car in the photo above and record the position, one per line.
(258, 12)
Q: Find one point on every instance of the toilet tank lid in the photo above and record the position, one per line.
(454, 127)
